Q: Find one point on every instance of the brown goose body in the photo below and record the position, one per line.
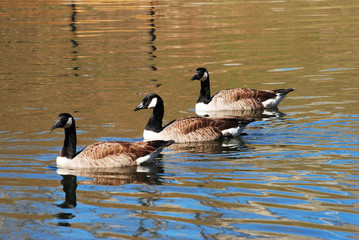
(103, 154)
(235, 98)
(113, 154)
(189, 129)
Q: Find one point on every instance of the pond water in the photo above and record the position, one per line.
(294, 175)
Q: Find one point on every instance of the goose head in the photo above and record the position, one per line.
(64, 120)
(148, 102)
(201, 74)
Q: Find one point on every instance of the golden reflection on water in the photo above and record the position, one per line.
(97, 59)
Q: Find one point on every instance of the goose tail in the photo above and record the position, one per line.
(283, 91)
(245, 122)
(274, 102)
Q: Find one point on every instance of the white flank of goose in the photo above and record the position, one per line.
(189, 129)
(103, 154)
(235, 98)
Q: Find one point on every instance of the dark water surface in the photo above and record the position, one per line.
(294, 176)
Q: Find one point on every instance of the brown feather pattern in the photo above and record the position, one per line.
(235, 94)
(113, 154)
(194, 129)
(242, 98)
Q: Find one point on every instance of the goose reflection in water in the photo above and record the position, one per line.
(257, 114)
(147, 175)
(220, 146)
(69, 183)
(116, 176)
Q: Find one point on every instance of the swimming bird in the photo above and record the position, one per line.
(103, 154)
(188, 129)
(235, 98)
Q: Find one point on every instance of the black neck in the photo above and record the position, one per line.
(205, 93)
(155, 122)
(69, 148)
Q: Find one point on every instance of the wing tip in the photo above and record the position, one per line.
(284, 91)
(247, 121)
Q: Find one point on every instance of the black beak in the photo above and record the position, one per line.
(139, 107)
(195, 77)
(56, 125)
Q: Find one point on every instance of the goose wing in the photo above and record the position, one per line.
(194, 129)
(116, 153)
(242, 98)
(237, 94)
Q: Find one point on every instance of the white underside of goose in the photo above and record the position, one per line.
(212, 106)
(64, 162)
(151, 136)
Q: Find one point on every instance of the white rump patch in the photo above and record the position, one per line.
(233, 132)
(153, 103)
(273, 102)
(204, 77)
(69, 123)
(149, 157)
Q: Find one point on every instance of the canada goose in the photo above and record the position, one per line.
(188, 129)
(235, 98)
(103, 154)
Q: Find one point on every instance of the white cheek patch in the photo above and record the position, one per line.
(69, 123)
(204, 77)
(153, 103)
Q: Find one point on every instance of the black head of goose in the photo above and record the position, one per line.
(235, 98)
(103, 154)
(188, 129)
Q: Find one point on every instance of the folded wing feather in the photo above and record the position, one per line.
(241, 98)
(113, 154)
(198, 128)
